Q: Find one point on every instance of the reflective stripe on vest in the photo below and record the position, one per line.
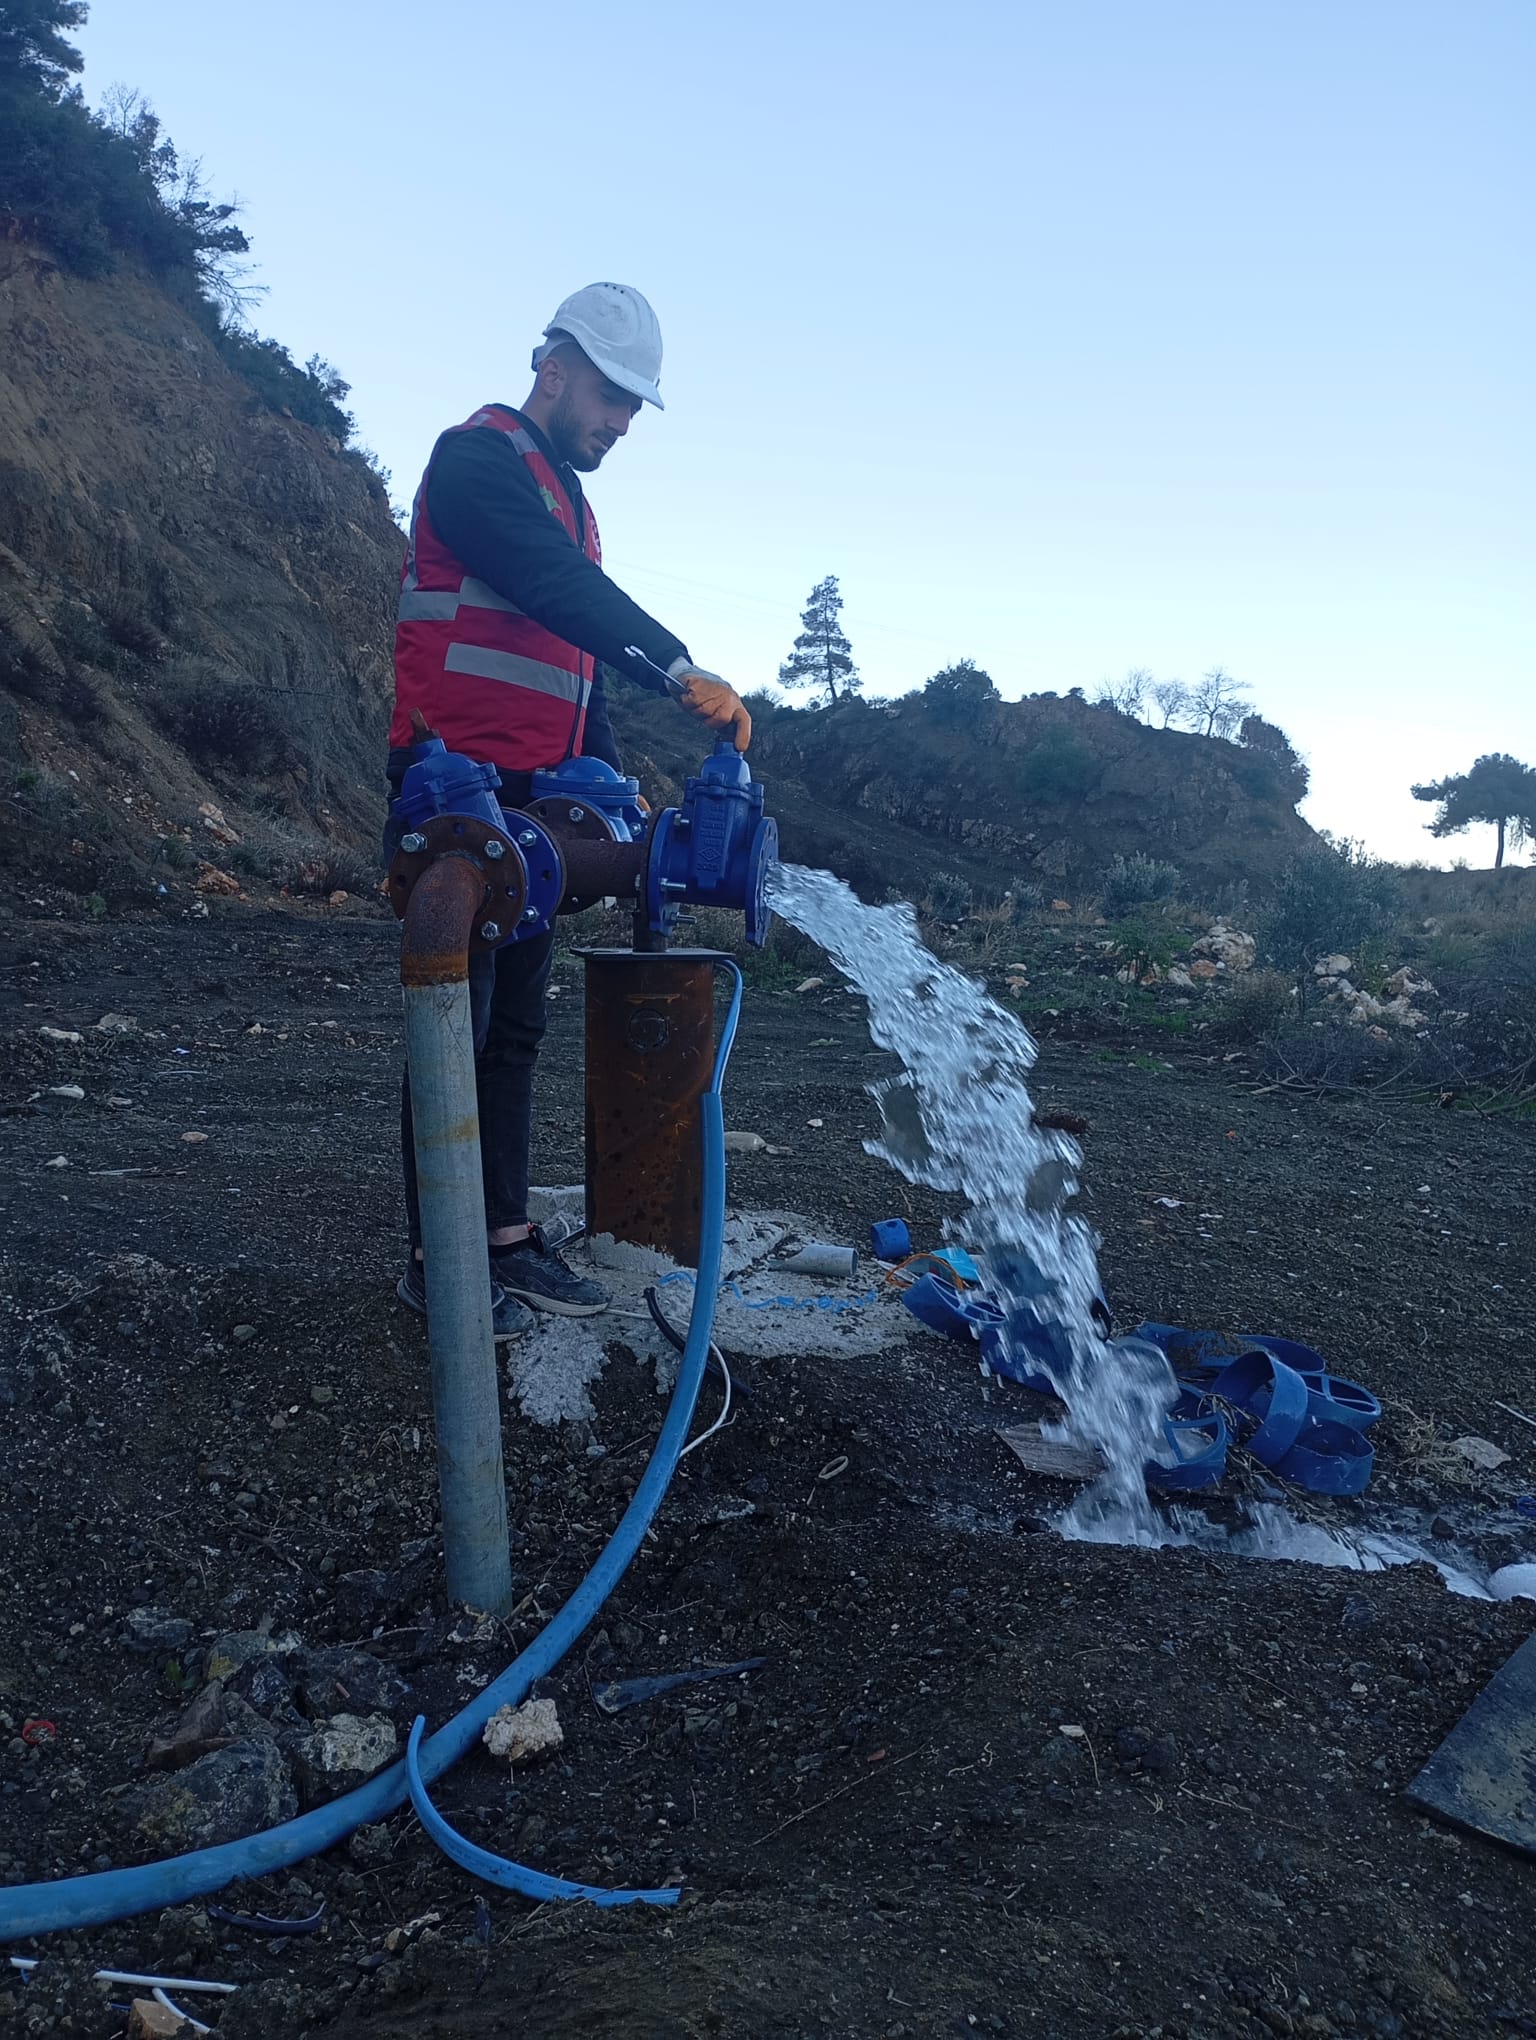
(513, 670)
(490, 680)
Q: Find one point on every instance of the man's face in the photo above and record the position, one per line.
(590, 413)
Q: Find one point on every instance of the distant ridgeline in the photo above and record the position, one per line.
(1042, 792)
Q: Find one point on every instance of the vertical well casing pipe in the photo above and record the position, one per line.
(466, 1401)
(650, 1048)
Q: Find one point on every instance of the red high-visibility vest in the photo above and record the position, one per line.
(493, 683)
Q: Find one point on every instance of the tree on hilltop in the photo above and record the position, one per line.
(1129, 695)
(822, 656)
(1215, 706)
(1267, 740)
(33, 50)
(1172, 700)
(959, 690)
(1496, 788)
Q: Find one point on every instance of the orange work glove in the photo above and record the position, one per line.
(708, 697)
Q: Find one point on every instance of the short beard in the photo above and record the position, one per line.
(563, 428)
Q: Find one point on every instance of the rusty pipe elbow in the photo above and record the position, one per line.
(438, 922)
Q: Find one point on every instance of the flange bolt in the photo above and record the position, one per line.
(413, 841)
(531, 914)
(527, 839)
(578, 814)
(495, 848)
(490, 931)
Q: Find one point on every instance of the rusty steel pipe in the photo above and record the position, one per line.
(597, 868)
(440, 1057)
(650, 1049)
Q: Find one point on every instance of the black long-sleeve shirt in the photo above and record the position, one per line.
(487, 509)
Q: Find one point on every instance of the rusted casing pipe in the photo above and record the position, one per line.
(650, 1049)
(440, 1054)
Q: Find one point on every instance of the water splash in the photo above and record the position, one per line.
(959, 1119)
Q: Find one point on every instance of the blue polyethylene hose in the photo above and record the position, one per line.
(105, 1895)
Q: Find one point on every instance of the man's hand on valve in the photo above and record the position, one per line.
(708, 697)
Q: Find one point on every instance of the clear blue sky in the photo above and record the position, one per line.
(1072, 337)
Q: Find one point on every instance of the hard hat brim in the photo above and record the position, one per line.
(636, 385)
(626, 379)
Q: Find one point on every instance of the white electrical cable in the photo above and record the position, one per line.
(718, 1357)
(29, 1962)
(177, 2013)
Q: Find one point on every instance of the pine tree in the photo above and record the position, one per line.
(33, 45)
(822, 656)
(1497, 789)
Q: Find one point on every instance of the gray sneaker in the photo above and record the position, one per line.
(509, 1318)
(533, 1271)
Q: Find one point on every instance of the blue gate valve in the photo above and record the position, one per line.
(716, 850)
(593, 784)
(585, 833)
(442, 782)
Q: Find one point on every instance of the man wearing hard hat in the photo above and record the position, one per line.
(505, 615)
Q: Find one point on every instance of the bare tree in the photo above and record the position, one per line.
(1216, 706)
(1129, 695)
(1172, 699)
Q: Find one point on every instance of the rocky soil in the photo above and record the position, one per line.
(982, 1780)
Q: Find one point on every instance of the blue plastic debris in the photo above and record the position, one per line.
(936, 1303)
(889, 1239)
(1333, 1400)
(1199, 1354)
(1267, 1389)
(1197, 1438)
(1328, 1459)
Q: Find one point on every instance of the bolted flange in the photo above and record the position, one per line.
(502, 868)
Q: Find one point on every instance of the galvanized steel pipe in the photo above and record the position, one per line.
(466, 1401)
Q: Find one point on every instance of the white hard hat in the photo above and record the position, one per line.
(617, 331)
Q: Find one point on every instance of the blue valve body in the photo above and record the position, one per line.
(441, 782)
(595, 784)
(716, 850)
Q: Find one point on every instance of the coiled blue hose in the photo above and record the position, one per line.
(105, 1895)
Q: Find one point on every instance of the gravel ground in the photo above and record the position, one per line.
(216, 1423)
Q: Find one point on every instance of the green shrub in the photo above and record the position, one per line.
(949, 896)
(1059, 768)
(1134, 881)
(1025, 901)
(1148, 938)
(1332, 897)
(323, 868)
(1257, 1003)
(220, 720)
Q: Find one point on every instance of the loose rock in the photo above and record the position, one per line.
(522, 1733)
(342, 1752)
(230, 1793)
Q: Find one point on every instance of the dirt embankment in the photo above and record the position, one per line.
(196, 592)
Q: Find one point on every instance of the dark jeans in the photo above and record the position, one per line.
(506, 997)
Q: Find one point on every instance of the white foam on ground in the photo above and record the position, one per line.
(758, 1311)
(549, 1372)
(1270, 1532)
